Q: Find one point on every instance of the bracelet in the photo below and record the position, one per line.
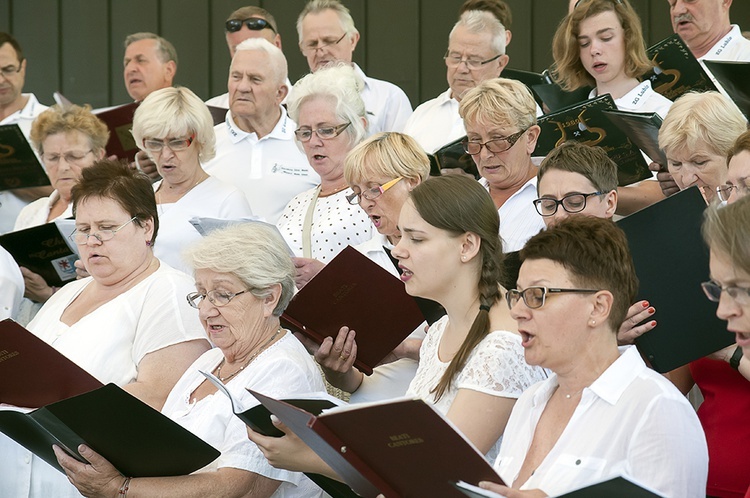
(734, 361)
(124, 488)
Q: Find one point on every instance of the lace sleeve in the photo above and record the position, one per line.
(497, 367)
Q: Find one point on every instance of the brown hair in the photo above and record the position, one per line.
(130, 188)
(591, 162)
(568, 70)
(595, 253)
(459, 204)
(742, 144)
(8, 38)
(252, 11)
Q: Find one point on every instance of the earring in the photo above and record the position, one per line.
(148, 243)
(463, 258)
(593, 322)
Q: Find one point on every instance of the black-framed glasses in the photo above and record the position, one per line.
(372, 193)
(456, 60)
(10, 71)
(496, 145)
(571, 203)
(155, 146)
(252, 23)
(725, 191)
(535, 297)
(216, 297)
(304, 134)
(71, 157)
(713, 292)
(82, 238)
(311, 46)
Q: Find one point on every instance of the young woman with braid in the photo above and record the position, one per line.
(471, 364)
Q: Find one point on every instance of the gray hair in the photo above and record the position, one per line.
(253, 252)
(480, 21)
(317, 6)
(341, 84)
(175, 112)
(278, 61)
(164, 48)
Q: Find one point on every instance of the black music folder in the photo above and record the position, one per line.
(19, 166)
(671, 261)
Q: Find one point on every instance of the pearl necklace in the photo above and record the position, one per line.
(254, 355)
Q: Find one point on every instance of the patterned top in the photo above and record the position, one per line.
(335, 224)
(496, 367)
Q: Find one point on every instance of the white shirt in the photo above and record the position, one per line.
(387, 105)
(733, 47)
(436, 122)
(209, 199)
(11, 285)
(37, 212)
(335, 224)
(642, 98)
(283, 370)
(630, 421)
(109, 343)
(270, 171)
(496, 366)
(519, 220)
(10, 205)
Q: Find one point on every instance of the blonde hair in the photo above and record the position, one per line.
(67, 119)
(702, 117)
(568, 70)
(388, 155)
(175, 112)
(499, 101)
(253, 252)
(727, 230)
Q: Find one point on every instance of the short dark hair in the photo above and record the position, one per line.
(596, 255)
(497, 8)
(8, 38)
(130, 188)
(252, 11)
(591, 162)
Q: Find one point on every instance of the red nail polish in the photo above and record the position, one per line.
(653, 323)
(645, 304)
(651, 310)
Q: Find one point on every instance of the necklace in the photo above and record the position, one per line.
(158, 190)
(333, 191)
(574, 393)
(254, 355)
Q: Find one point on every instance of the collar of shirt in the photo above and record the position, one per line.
(609, 386)
(284, 129)
(526, 186)
(361, 74)
(733, 35)
(634, 99)
(29, 111)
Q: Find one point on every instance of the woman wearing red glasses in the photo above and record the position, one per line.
(174, 127)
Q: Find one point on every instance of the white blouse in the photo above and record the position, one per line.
(284, 369)
(496, 367)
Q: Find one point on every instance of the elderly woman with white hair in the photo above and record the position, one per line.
(330, 117)
(174, 127)
(240, 295)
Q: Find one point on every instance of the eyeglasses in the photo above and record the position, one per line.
(324, 132)
(495, 146)
(70, 157)
(571, 203)
(216, 297)
(535, 297)
(713, 292)
(309, 47)
(372, 193)
(456, 60)
(10, 71)
(175, 144)
(725, 191)
(252, 23)
(82, 238)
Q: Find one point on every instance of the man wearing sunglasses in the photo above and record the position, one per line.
(255, 148)
(476, 53)
(327, 35)
(243, 24)
(21, 109)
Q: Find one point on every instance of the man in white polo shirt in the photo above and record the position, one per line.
(21, 109)
(705, 27)
(327, 34)
(255, 148)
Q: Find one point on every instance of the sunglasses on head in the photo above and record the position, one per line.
(253, 23)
